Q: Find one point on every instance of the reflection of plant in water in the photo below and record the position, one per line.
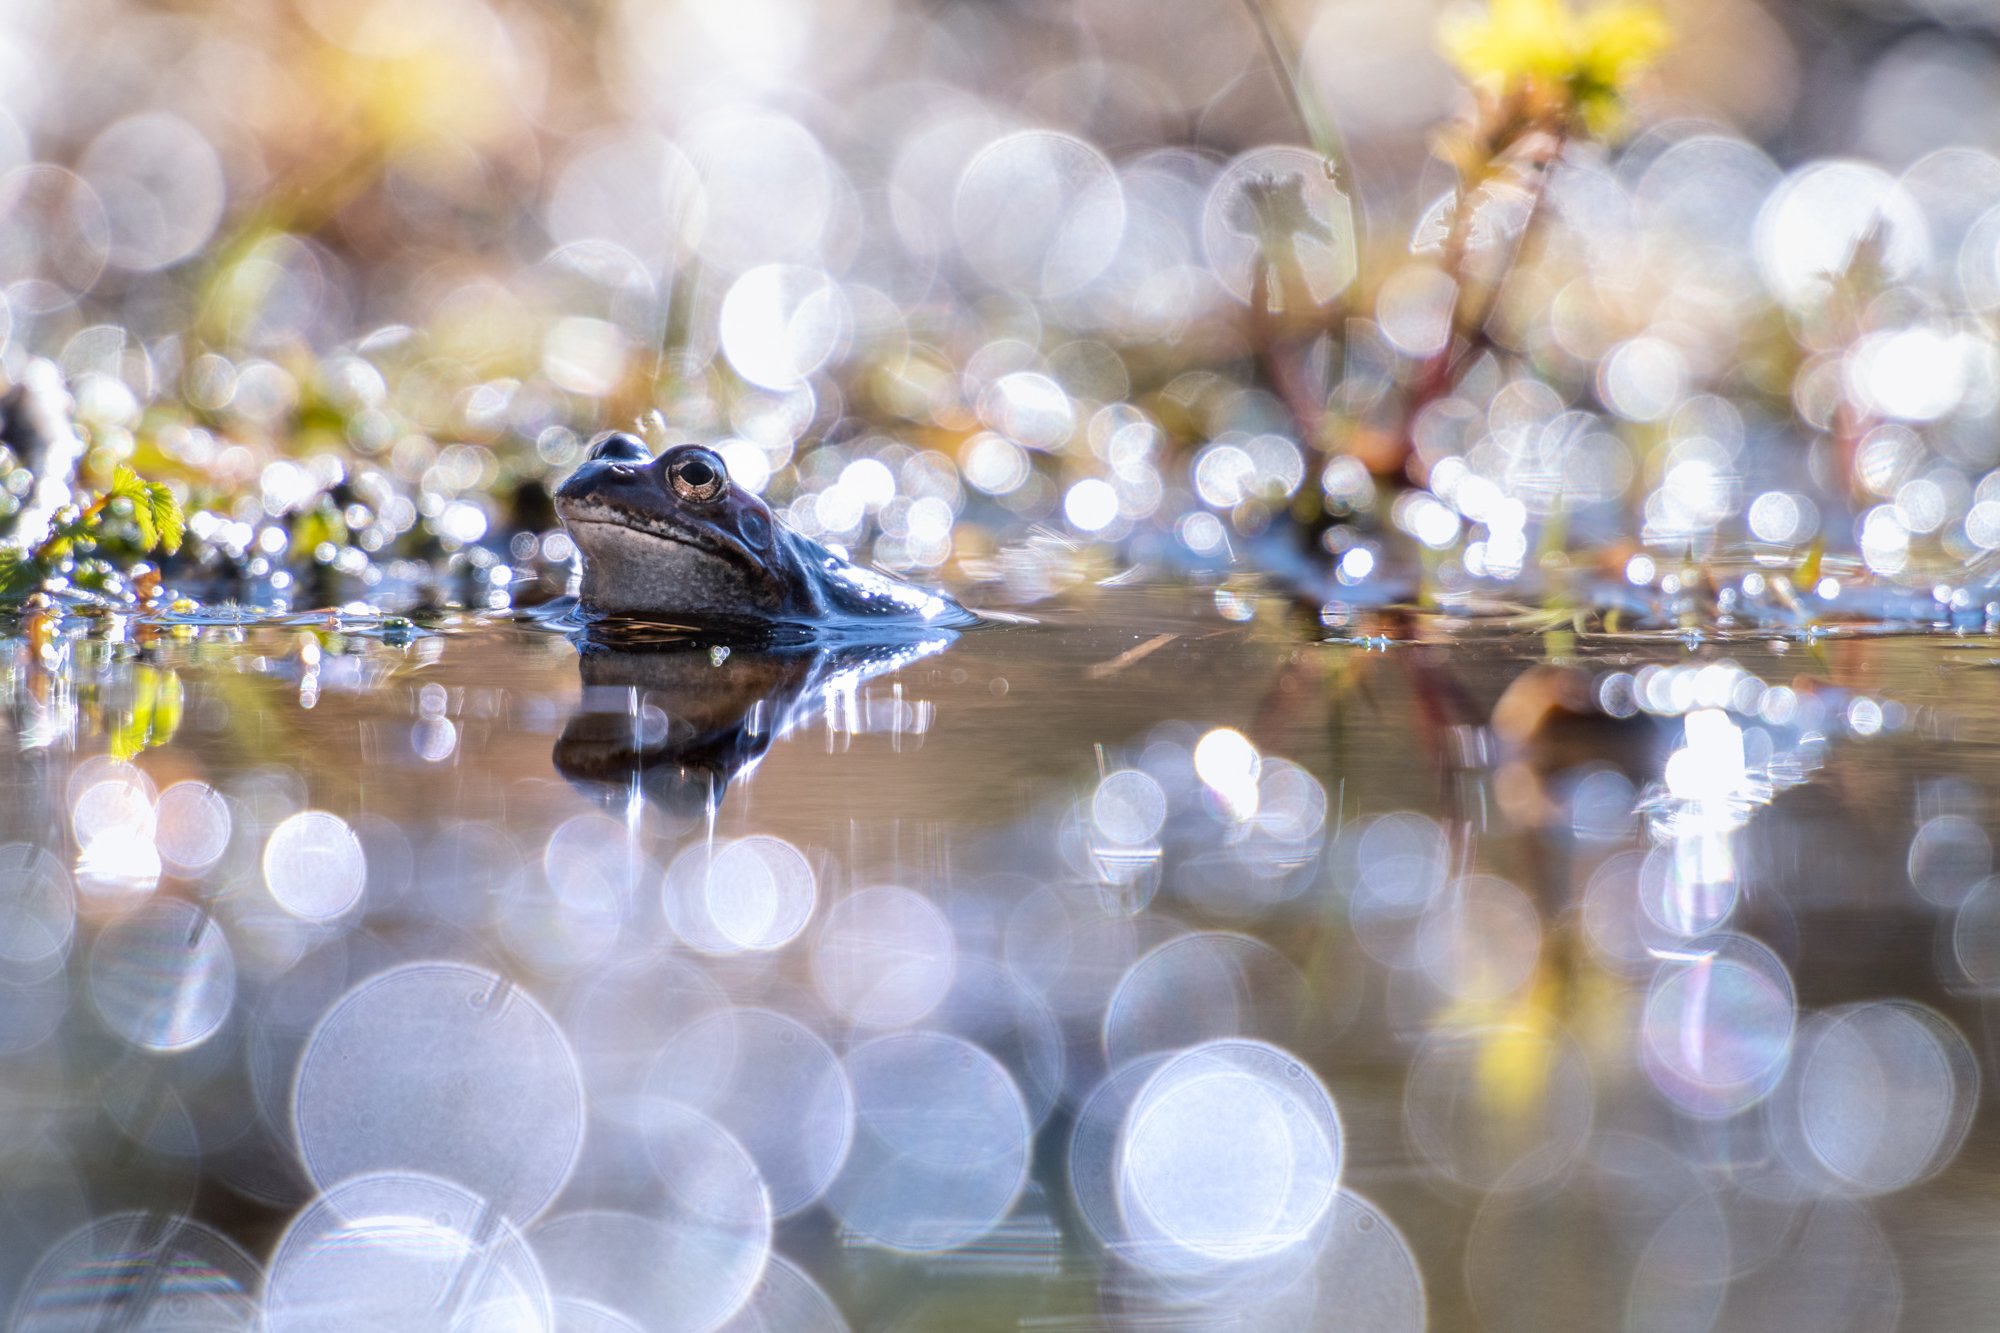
(157, 699)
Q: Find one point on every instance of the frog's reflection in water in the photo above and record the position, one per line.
(679, 715)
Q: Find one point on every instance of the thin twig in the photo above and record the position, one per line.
(1267, 344)
(1319, 128)
(1538, 193)
(1111, 667)
(1442, 371)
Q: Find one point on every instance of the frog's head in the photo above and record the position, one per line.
(674, 536)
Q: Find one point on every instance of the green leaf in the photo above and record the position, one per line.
(130, 487)
(155, 511)
(19, 574)
(168, 522)
(128, 483)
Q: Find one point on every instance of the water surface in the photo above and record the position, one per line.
(1138, 967)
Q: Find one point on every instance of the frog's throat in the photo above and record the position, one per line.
(587, 513)
(634, 570)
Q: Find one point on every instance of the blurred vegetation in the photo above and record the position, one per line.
(95, 544)
(1470, 305)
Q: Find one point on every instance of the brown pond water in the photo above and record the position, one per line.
(1135, 968)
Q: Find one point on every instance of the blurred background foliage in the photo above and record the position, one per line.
(988, 288)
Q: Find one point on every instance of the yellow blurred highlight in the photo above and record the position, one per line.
(1540, 47)
(156, 712)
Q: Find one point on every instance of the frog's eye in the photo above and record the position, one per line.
(618, 447)
(698, 476)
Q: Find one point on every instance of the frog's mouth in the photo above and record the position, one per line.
(581, 513)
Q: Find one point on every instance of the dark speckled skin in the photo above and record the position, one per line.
(648, 552)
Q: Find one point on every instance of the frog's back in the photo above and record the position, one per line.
(862, 599)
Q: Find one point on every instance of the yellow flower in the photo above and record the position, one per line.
(1513, 40)
(1619, 41)
(1544, 47)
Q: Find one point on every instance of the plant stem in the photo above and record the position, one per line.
(1319, 127)
(1538, 193)
(1442, 371)
(1320, 130)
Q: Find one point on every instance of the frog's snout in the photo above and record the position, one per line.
(595, 479)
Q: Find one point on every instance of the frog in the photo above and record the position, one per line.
(675, 538)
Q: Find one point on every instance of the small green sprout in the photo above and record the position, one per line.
(133, 518)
